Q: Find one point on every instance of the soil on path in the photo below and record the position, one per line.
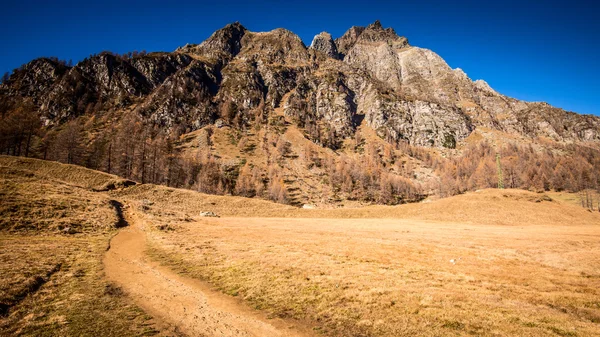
(187, 306)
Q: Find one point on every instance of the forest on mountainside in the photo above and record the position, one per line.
(146, 153)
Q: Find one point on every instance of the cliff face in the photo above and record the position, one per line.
(369, 75)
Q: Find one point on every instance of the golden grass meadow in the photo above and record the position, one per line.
(486, 263)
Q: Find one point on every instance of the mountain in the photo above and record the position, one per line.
(303, 118)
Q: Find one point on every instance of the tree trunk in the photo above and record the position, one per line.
(28, 142)
(109, 155)
(154, 165)
(144, 161)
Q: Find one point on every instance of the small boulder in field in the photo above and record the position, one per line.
(309, 206)
(209, 215)
(70, 230)
(145, 206)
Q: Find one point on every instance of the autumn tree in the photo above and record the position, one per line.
(246, 184)
(18, 129)
(126, 144)
(386, 193)
(276, 189)
(98, 151)
(70, 146)
(283, 148)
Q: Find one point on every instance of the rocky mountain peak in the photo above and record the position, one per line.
(346, 41)
(282, 35)
(403, 93)
(34, 79)
(323, 42)
(225, 43)
(375, 25)
(376, 33)
(370, 34)
(279, 46)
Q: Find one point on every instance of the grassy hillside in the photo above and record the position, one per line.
(490, 206)
(54, 231)
(73, 175)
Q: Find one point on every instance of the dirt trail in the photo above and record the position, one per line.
(187, 305)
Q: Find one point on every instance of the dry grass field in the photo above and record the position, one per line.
(55, 286)
(54, 232)
(487, 263)
(524, 263)
(391, 277)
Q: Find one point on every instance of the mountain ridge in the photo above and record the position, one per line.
(274, 93)
(413, 73)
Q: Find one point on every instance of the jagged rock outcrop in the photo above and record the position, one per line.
(369, 75)
(325, 107)
(373, 33)
(420, 74)
(34, 80)
(221, 46)
(324, 43)
(376, 33)
(418, 122)
(277, 47)
(184, 98)
(159, 66)
(347, 41)
(98, 83)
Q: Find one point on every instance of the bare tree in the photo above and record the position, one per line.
(69, 143)
(5, 77)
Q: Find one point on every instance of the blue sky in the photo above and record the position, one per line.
(532, 50)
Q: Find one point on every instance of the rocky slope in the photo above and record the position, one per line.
(369, 75)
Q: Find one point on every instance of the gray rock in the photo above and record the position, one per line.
(324, 43)
(70, 231)
(209, 215)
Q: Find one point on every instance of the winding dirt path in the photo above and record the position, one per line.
(186, 305)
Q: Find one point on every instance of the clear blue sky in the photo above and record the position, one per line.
(533, 50)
